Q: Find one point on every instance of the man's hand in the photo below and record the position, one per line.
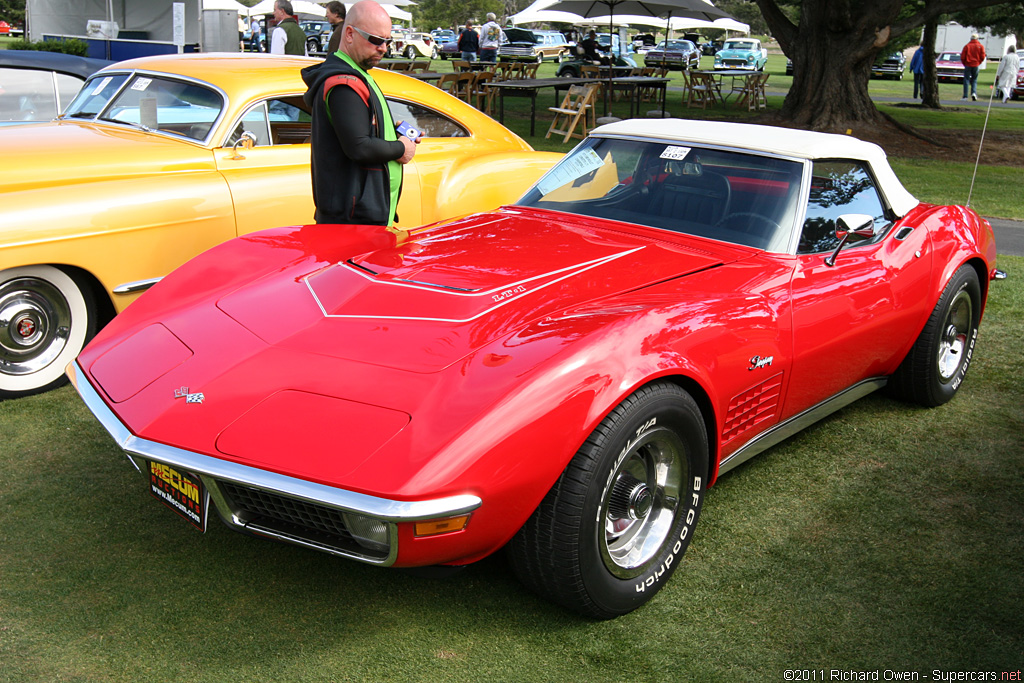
(410, 150)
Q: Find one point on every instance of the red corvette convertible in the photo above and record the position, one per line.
(564, 377)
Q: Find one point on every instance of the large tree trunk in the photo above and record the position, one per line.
(930, 96)
(833, 45)
(832, 50)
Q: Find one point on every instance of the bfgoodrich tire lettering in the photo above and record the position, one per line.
(615, 525)
(46, 317)
(932, 372)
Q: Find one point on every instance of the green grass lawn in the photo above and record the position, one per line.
(885, 537)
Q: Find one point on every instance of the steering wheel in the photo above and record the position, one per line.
(744, 221)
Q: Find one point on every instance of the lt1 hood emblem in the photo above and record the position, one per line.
(189, 398)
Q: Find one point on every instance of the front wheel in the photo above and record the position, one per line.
(312, 45)
(615, 525)
(410, 52)
(932, 372)
(46, 317)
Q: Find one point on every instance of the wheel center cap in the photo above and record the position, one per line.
(640, 502)
(26, 327)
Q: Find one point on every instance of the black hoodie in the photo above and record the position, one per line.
(349, 155)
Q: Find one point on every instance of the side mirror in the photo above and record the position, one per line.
(246, 141)
(851, 227)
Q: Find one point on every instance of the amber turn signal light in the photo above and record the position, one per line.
(434, 527)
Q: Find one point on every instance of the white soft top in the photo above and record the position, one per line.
(790, 142)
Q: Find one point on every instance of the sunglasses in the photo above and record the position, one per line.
(376, 41)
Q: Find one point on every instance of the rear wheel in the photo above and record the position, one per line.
(932, 372)
(615, 525)
(46, 317)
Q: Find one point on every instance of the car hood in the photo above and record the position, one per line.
(735, 53)
(424, 304)
(41, 152)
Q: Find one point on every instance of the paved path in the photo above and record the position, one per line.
(1009, 236)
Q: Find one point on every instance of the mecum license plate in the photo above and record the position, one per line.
(181, 491)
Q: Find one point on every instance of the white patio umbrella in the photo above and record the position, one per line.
(664, 9)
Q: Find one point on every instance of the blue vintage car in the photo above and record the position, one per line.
(741, 53)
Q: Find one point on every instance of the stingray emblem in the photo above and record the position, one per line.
(759, 362)
(189, 398)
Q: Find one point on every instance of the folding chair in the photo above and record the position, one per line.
(576, 109)
(530, 70)
(463, 86)
(447, 82)
(461, 65)
(482, 92)
(702, 91)
(420, 65)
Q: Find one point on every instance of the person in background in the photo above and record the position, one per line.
(469, 42)
(1006, 75)
(917, 68)
(972, 56)
(241, 33)
(254, 37)
(287, 38)
(356, 152)
(335, 15)
(491, 36)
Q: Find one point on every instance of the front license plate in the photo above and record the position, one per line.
(181, 491)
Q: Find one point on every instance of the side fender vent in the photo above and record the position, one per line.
(752, 407)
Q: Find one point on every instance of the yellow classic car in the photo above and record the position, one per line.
(161, 158)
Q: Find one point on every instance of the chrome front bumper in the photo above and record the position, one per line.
(229, 482)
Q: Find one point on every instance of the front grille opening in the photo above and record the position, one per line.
(317, 525)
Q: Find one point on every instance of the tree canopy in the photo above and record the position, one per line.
(833, 44)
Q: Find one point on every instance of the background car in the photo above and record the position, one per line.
(160, 158)
(523, 45)
(674, 54)
(36, 85)
(412, 44)
(710, 47)
(444, 35)
(1018, 90)
(741, 53)
(450, 49)
(642, 42)
(564, 377)
(890, 66)
(948, 67)
(570, 66)
(318, 34)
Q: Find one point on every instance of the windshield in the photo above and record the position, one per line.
(739, 45)
(155, 103)
(725, 195)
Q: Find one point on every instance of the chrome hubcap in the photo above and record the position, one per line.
(35, 320)
(641, 501)
(959, 320)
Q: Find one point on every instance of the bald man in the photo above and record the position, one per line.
(357, 155)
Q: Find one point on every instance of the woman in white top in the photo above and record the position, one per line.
(1006, 75)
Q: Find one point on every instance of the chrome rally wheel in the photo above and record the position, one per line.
(45, 320)
(641, 500)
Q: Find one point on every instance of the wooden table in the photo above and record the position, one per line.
(721, 74)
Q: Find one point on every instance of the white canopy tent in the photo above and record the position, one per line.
(225, 5)
(298, 6)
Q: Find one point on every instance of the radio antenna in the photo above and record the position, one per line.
(992, 93)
